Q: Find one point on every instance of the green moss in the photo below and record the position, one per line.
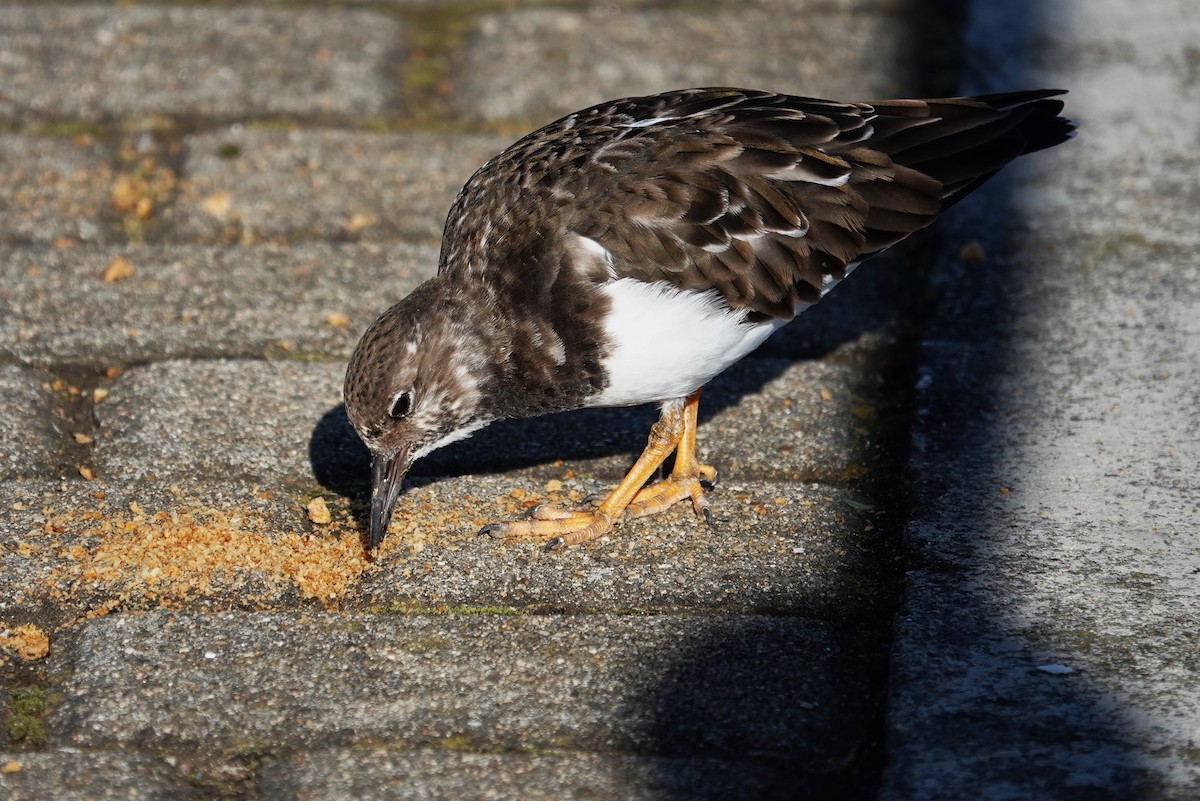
(283, 352)
(404, 607)
(483, 611)
(460, 743)
(65, 128)
(26, 708)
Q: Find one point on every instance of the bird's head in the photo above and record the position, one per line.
(412, 386)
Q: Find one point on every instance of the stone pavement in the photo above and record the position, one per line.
(955, 553)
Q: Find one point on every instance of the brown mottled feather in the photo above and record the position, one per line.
(762, 197)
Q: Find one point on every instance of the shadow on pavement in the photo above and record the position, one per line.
(968, 707)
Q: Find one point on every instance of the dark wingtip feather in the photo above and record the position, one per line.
(1043, 126)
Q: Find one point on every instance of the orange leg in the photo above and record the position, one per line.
(685, 478)
(675, 428)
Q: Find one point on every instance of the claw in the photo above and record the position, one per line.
(545, 512)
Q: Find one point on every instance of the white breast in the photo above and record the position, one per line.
(667, 343)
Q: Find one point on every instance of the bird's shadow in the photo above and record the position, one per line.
(868, 301)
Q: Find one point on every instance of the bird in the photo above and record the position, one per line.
(630, 252)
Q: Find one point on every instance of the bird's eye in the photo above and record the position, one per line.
(401, 405)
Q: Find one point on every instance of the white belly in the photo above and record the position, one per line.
(668, 343)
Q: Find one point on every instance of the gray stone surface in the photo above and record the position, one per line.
(809, 550)
(30, 441)
(155, 421)
(1049, 647)
(194, 301)
(72, 775)
(98, 62)
(778, 688)
(418, 775)
(248, 185)
(53, 187)
(765, 419)
(816, 551)
(569, 59)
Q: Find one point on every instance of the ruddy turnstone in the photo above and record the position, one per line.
(630, 252)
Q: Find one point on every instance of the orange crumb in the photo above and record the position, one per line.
(28, 642)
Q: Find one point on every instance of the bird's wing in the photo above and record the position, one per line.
(768, 198)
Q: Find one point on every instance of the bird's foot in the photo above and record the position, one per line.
(560, 527)
(661, 495)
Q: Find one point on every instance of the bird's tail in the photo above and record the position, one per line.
(964, 141)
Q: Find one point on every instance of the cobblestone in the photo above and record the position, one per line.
(99, 62)
(248, 185)
(89, 776)
(29, 440)
(53, 188)
(181, 300)
(676, 685)
(431, 774)
(602, 53)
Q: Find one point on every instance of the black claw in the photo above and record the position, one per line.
(708, 518)
(491, 530)
(555, 544)
(709, 483)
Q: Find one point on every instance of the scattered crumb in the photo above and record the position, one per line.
(117, 270)
(318, 512)
(28, 642)
(337, 320)
(826, 395)
(124, 194)
(972, 253)
(554, 485)
(99, 394)
(217, 205)
(359, 221)
(195, 552)
(87, 473)
(81, 438)
(12, 766)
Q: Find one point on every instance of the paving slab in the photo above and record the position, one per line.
(245, 185)
(74, 775)
(1048, 646)
(70, 548)
(156, 421)
(765, 419)
(196, 301)
(53, 188)
(538, 64)
(813, 550)
(667, 685)
(100, 62)
(420, 775)
(30, 439)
